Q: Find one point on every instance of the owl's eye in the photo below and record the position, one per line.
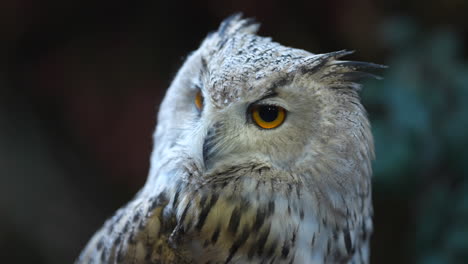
(268, 116)
(199, 100)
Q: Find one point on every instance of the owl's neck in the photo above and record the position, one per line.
(248, 205)
(252, 198)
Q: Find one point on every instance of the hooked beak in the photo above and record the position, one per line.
(208, 147)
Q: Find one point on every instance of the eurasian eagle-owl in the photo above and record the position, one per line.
(262, 155)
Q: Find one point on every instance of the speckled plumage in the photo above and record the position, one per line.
(221, 190)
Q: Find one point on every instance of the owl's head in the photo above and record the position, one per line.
(244, 99)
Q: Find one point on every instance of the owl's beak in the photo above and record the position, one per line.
(208, 147)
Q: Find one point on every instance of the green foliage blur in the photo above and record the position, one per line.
(419, 114)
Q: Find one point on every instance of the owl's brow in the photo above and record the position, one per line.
(269, 94)
(281, 81)
(272, 89)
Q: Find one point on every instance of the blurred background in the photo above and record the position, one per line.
(81, 82)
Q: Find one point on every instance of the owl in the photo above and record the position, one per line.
(262, 154)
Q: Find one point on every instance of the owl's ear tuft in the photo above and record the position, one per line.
(236, 24)
(335, 73)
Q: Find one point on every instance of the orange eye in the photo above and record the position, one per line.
(199, 100)
(268, 116)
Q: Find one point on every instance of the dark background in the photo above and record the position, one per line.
(81, 81)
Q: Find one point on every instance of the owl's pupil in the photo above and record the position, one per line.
(268, 113)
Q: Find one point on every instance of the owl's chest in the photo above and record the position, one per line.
(251, 223)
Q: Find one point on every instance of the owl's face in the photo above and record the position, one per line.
(243, 98)
(268, 128)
